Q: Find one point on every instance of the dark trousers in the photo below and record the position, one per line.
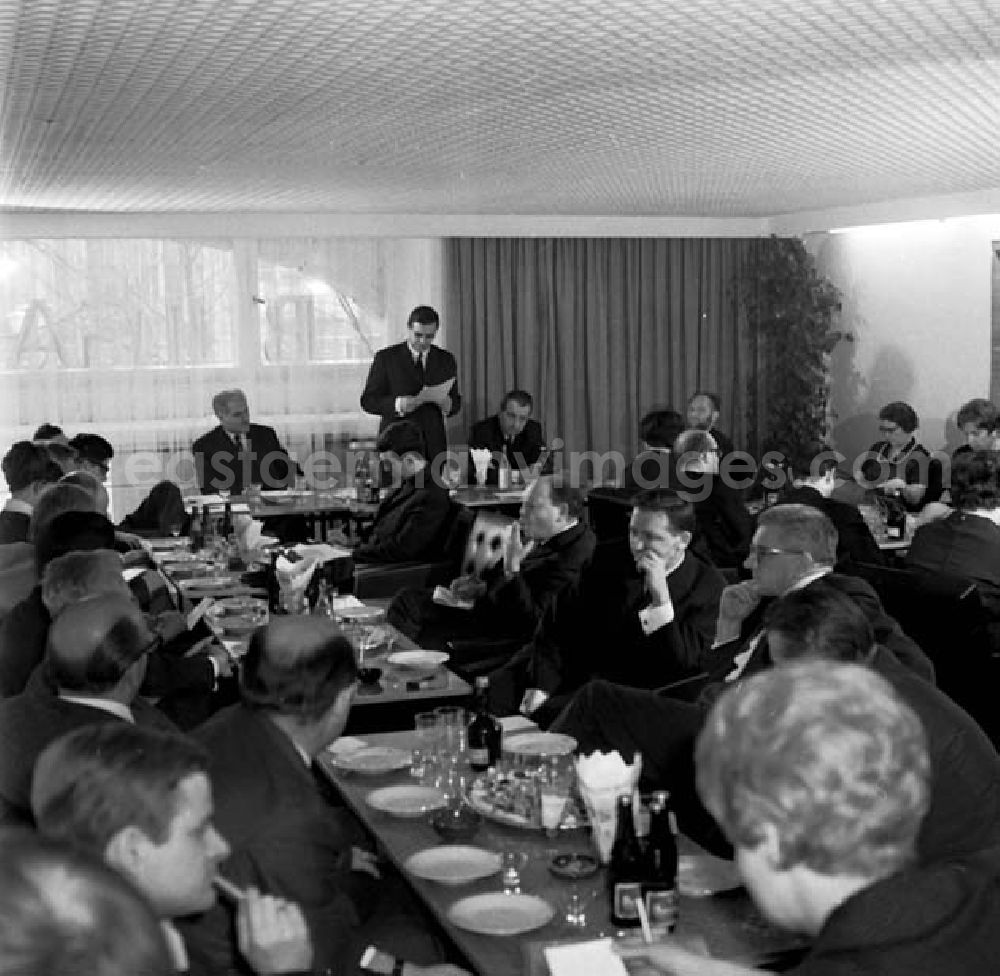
(605, 716)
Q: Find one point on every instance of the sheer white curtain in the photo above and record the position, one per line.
(130, 339)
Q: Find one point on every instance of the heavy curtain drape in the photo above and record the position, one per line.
(598, 330)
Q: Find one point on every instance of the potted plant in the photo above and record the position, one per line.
(792, 314)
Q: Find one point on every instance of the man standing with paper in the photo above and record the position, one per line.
(416, 380)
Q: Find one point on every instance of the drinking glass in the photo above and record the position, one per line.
(452, 723)
(512, 863)
(428, 727)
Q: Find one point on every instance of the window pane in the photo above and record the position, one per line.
(322, 301)
(115, 304)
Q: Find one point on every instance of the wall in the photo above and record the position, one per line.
(917, 298)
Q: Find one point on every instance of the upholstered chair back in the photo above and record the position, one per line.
(485, 546)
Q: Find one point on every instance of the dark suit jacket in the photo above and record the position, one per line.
(410, 524)
(394, 374)
(723, 523)
(595, 630)
(961, 545)
(887, 632)
(29, 722)
(855, 542)
(964, 814)
(519, 603)
(723, 442)
(25, 630)
(217, 467)
(522, 452)
(13, 526)
(650, 469)
(284, 839)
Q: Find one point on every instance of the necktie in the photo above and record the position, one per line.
(419, 363)
(241, 475)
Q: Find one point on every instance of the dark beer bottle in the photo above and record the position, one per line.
(226, 528)
(627, 870)
(484, 733)
(196, 531)
(660, 890)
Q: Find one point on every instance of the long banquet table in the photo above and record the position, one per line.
(728, 922)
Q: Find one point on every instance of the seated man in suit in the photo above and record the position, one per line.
(18, 568)
(513, 596)
(813, 480)
(399, 374)
(28, 470)
(644, 618)
(141, 801)
(238, 454)
(820, 778)
(703, 411)
(653, 466)
(979, 422)
(509, 434)
(815, 623)
(794, 546)
(62, 911)
(76, 561)
(967, 542)
(93, 455)
(724, 525)
(297, 683)
(96, 659)
(411, 519)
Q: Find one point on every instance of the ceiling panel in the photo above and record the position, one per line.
(711, 108)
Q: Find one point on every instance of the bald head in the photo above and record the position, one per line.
(297, 665)
(93, 644)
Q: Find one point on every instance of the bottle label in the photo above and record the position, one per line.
(663, 908)
(479, 757)
(626, 898)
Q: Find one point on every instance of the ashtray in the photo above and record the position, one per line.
(456, 825)
(369, 676)
(574, 867)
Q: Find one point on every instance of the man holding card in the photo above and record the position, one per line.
(416, 380)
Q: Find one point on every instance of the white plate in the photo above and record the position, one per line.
(701, 875)
(371, 760)
(405, 801)
(453, 864)
(499, 914)
(418, 660)
(209, 582)
(239, 604)
(539, 744)
(361, 613)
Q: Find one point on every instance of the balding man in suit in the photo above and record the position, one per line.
(237, 453)
(97, 659)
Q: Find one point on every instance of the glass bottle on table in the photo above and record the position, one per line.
(196, 532)
(627, 869)
(485, 734)
(660, 890)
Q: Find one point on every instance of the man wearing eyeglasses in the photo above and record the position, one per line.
(96, 656)
(794, 545)
(408, 380)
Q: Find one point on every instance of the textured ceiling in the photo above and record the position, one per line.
(714, 108)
